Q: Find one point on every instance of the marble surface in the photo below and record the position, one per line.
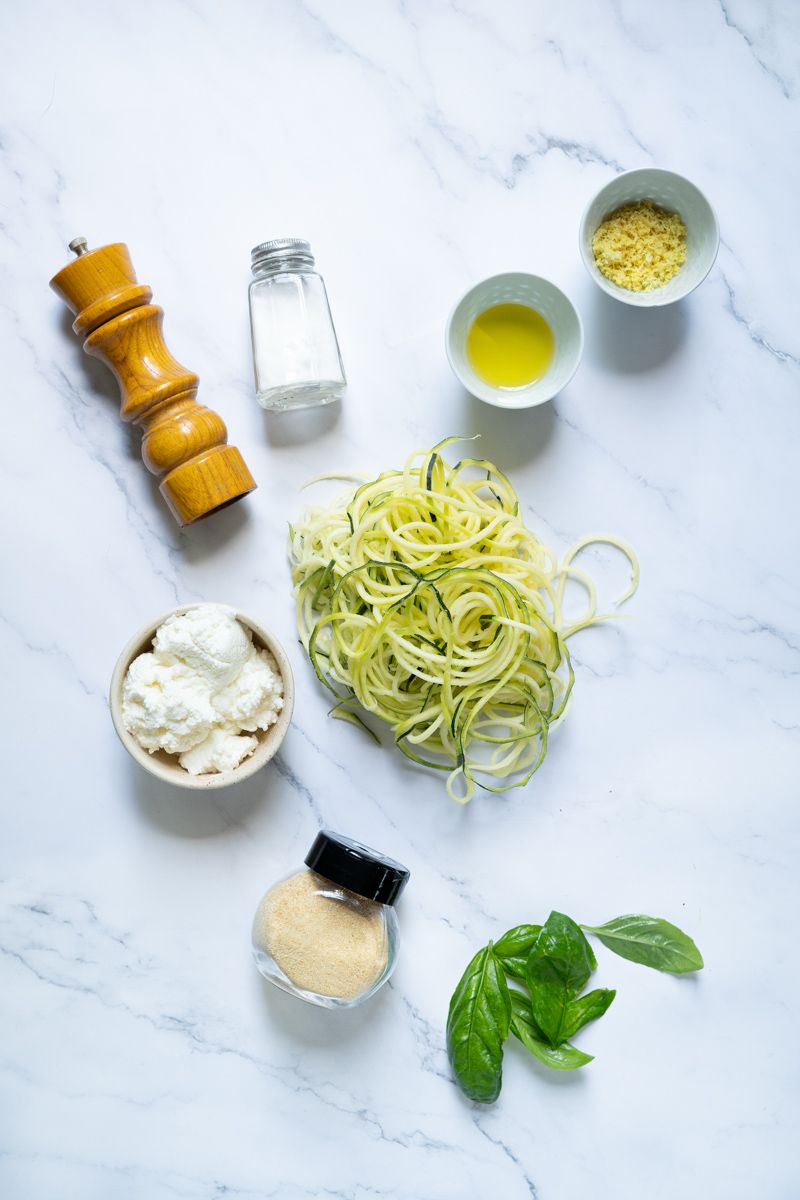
(419, 146)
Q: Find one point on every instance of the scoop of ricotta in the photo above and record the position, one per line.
(200, 688)
(208, 639)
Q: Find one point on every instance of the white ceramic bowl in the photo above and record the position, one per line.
(166, 766)
(515, 287)
(668, 190)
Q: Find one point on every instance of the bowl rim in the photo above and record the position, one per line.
(643, 299)
(270, 739)
(494, 396)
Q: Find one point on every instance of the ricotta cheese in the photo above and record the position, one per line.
(201, 690)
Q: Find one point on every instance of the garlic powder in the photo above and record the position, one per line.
(324, 938)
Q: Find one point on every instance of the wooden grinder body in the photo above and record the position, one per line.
(185, 444)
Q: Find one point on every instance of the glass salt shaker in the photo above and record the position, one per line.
(328, 933)
(295, 352)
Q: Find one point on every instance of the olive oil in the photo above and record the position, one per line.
(510, 345)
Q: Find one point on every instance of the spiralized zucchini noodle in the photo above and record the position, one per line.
(423, 600)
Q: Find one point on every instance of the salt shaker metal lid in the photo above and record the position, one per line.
(280, 250)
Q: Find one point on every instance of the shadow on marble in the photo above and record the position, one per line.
(633, 340)
(205, 538)
(104, 388)
(566, 1080)
(295, 428)
(97, 375)
(196, 814)
(509, 438)
(312, 1026)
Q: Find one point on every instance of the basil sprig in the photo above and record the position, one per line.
(530, 983)
(557, 971)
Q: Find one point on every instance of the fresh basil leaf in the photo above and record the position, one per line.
(586, 1008)
(477, 1025)
(651, 941)
(521, 1008)
(517, 941)
(558, 1058)
(514, 947)
(558, 968)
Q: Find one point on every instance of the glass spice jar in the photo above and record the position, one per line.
(329, 933)
(295, 352)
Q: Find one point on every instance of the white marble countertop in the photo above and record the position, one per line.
(419, 147)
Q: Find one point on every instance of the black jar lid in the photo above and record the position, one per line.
(357, 868)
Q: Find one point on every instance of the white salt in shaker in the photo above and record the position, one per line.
(295, 352)
(328, 933)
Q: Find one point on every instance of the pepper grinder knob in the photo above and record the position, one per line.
(185, 444)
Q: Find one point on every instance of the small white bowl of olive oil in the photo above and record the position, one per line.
(514, 340)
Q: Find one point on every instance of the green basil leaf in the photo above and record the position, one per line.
(558, 968)
(586, 1008)
(557, 1058)
(477, 1025)
(521, 1008)
(651, 941)
(514, 947)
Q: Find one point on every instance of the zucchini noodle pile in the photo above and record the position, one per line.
(424, 600)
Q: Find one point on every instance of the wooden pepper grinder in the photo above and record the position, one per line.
(184, 443)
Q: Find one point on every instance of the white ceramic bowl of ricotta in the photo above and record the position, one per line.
(166, 767)
(670, 191)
